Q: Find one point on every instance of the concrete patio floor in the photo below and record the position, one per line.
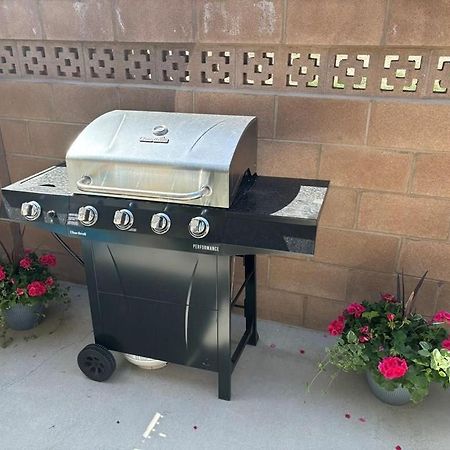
(47, 403)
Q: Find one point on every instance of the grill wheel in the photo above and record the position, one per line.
(96, 362)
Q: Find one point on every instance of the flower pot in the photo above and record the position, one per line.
(397, 397)
(24, 317)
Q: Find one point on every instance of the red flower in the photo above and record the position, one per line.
(49, 282)
(2, 273)
(446, 344)
(355, 309)
(387, 297)
(441, 316)
(25, 263)
(20, 292)
(392, 367)
(48, 260)
(336, 327)
(36, 289)
(363, 339)
(390, 317)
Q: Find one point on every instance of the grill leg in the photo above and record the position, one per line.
(250, 299)
(225, 369)
(224, 327)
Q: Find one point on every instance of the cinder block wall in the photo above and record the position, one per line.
(351, 91)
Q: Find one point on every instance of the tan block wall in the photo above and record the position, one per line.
(386, 152)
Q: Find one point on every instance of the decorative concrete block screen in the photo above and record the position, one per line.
(352, 91)
(405, 73)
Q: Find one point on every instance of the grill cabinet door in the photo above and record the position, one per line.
(155, 303)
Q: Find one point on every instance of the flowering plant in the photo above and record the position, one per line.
(399, 347)
(28, 281)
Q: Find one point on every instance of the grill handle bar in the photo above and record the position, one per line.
(85, 185)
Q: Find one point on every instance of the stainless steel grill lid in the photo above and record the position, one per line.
(196, 159)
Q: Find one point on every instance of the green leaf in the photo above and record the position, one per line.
(351, 337)
(399, 340)
(369, 315)
(425, 345)
(424, 352)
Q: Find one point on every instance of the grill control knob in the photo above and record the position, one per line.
(123, 219)
(87, 215)
(160, 223)
(30, 210)
(198, 227)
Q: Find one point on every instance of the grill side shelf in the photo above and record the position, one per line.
(276, 215)
(291, 198)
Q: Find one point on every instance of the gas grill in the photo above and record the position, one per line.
(164, 204)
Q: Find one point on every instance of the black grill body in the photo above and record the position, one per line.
(170, 296)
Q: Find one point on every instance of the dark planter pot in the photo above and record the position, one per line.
(24, 317)
(397, 397)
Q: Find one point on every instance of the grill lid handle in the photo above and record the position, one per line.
(85, 185)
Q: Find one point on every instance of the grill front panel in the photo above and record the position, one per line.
(155, 303)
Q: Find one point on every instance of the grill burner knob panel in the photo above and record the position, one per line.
(198, 227)
(31, 210)
(123, 219)
(87, 215)
(160, 223)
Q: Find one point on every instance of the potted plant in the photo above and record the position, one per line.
(26, 287)
(400, 351)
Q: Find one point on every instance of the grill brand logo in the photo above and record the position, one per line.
(77, 233)
(204, 247)
(154, 140)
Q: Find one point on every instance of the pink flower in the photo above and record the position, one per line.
(366, 334)
(49, 282)
(390, 317)
(25, 263)
(364, 329)
(48, 260)
(446, 344)
(36, 289)
(387, 297)
(2, 274)
(336, 327)
(392, 367)
(20, 292)
(355, 309)
(441, 316)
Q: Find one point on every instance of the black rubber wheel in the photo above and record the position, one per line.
(96, 362)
